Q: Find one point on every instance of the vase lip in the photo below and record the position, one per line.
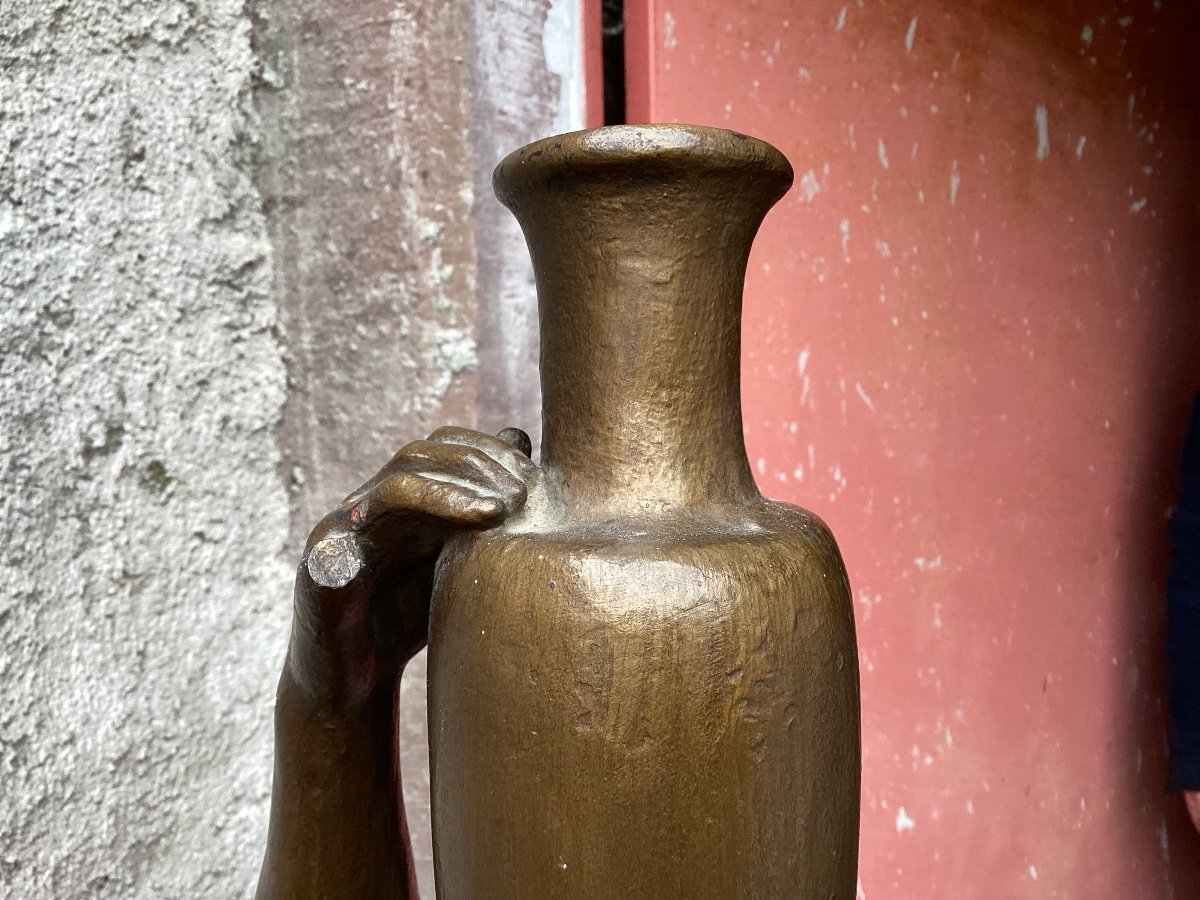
(694, 147)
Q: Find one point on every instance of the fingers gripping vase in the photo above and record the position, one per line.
(644, 685)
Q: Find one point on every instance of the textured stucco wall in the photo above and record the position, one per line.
(247, 249)
(142, 519)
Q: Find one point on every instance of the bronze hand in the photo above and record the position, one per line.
(361, 607)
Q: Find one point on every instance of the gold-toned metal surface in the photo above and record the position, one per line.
(644, 684)
(643, 676)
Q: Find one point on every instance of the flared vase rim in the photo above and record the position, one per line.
(696, 147)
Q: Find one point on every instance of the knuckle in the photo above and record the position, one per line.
(480, 459)
(447, 433)
(419, 448)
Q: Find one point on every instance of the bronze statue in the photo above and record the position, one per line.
(643, 680)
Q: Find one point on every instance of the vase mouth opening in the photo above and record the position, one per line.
(669, 149)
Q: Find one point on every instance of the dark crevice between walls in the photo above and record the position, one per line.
(613, 51)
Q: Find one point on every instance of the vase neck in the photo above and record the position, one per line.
(639, 239)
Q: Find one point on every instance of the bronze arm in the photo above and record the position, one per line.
(360, 613)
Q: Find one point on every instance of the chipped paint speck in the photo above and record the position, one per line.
(1041, 120)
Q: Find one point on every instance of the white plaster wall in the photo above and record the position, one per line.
(142, 520)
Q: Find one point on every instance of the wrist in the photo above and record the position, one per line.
(302, 697)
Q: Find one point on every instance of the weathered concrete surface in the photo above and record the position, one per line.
(142, 584)
(404, 285)
(526, 83)
(366, 180)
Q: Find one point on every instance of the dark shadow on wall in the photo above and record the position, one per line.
(1168, 64)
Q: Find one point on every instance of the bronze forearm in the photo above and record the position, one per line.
(337, 816)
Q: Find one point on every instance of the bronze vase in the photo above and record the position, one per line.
(645, 684)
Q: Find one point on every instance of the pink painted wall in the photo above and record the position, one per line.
(972, 336)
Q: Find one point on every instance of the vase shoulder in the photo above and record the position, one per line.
(623, 702)
(702, 552)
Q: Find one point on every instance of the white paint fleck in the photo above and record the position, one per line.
(928, 564)
(844, 229)
(838, 478)
(1033, 872)
(429, 229)
(809, 186)
(882, 248)
(1131, 681)
(1041, 119)
(911, 35)
(904, 822)
(1125, 21)
(862, 394)
(841, 20)
(1086, 35)
(1080, 144)
(803, 74)
(883, 156)
(1137, 206)
(440, 272)
(802, 360)
(670, 42)
(955, 181)
(762, 466)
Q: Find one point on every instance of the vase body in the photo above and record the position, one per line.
(645, 684)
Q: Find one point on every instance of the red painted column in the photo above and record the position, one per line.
(591, 51)
(972, 338)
